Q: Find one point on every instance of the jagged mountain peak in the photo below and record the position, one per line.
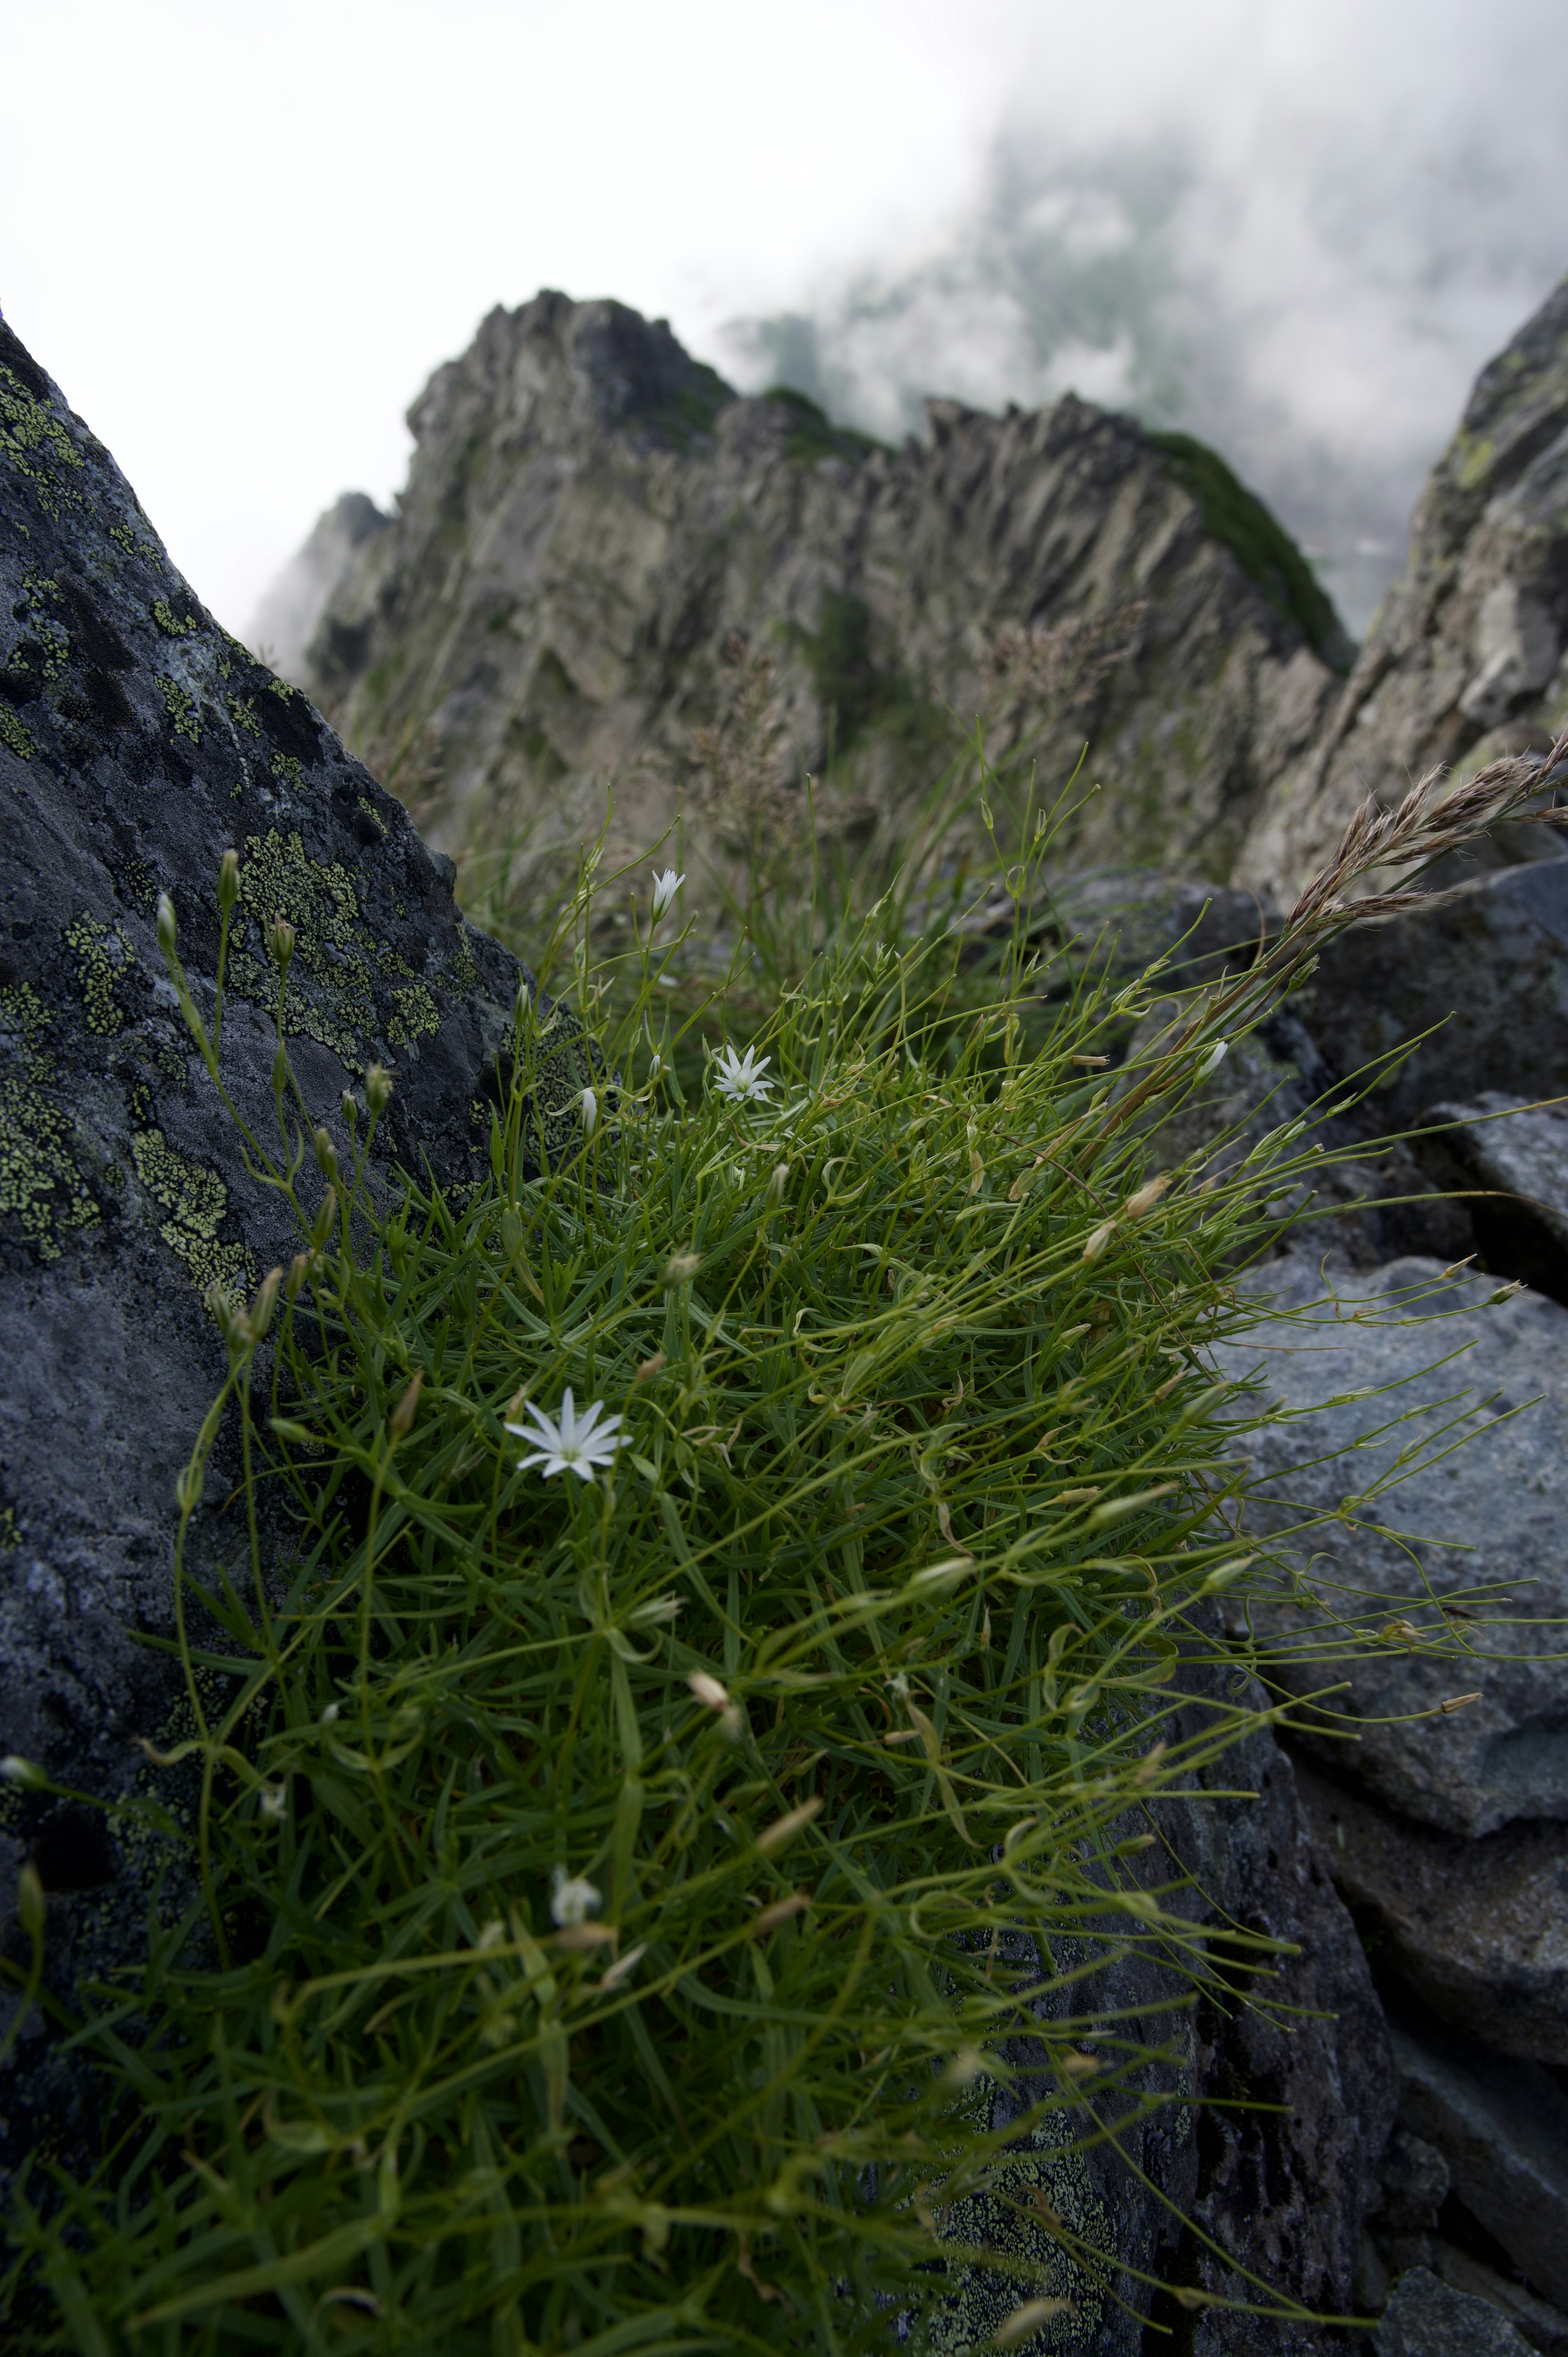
(595, 523)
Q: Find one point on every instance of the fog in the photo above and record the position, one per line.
(242, 240)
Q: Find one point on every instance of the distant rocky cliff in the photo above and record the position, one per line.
(1465, 659)
(596, 527)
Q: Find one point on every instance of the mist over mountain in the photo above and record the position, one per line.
(1309, 292)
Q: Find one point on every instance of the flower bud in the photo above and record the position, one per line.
(280, 942)
(1146, 1199)
(228, 880)
(299, 1270)
(280, 1069)
(265, 1302)
(708, 1691)
(30, 1904)
(14, 1770)
(165, 924)
(377, 1088)
(681, 1266)
(403, 1414)
(321, 1227)
(1210, 1059)
(590, 1113)
(1098, 1239)
(325, 1155)
(778, 1186)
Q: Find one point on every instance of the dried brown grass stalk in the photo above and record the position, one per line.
(1424, 827)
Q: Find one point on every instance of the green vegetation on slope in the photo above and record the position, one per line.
(1260, 544)
(603, 1907)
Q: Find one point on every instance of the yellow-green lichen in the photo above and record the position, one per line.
(42, 591)
(102, 955)
(414, 1016)
(10, 1536)
(40, 1184)
(290, 768)
(180, 707)
(464, 973)
(281, 688)
(12, 734)
(244, 712)
(173, 625)
(1007, 2220)
(331, 979)
(373, 814)
(196, 1202)
(139, 885)
(36, 444)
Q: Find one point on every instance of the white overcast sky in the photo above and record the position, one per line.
(242, 236)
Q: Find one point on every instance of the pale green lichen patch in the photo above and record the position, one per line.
(13, 735)
(373, 814)
(35, 443)
(289, 768)
(181, 708)
(42, 591)
(173, 625)
(196, 1201)
(40, 1185)
(1007, 2220)
(414, 1017)
(102, 955)
(244, 712)
(331, 980)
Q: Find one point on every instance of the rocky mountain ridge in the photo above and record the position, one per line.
(596, 527)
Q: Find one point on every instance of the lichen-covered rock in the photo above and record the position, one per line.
(1465, 658)
(137, 744)
(592, 521)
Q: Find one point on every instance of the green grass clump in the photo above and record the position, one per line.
(589, 1930)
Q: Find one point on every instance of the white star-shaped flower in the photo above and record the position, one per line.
(571, 1900)
(665, 887)
(740, 1077)
(569, 1442)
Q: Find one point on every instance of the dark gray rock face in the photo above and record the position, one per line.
(1479, 1928)
(593, 520)
(1282, 2192)
(137, 744)
(1465, 659)
(1511, 1159)
(1427, 2318)
(1502, 2127)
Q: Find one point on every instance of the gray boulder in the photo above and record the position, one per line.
(1460, 1564)
(1428, 2317)
(1483, 969)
